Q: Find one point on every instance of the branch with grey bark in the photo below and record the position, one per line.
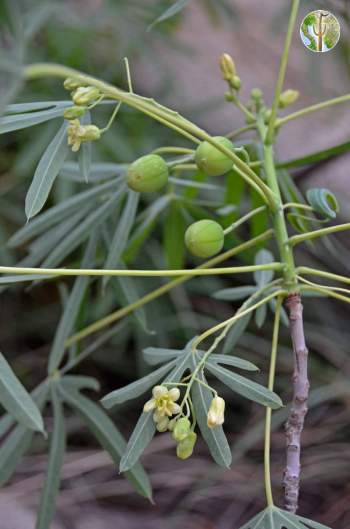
(295, 423)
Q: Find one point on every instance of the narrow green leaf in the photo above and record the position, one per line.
(128, 293)
(122, 232)
(262, 277)
(19, 440)
(214, 437)
(16, 400)
(21, 121)
(158, 355)
(174, 228)
(60, 212)
(52, 479)
(235, 333)
(19, 108)
(291, 193)
(234, 361)
(323, 202)
(79, 382)
(170, 12)
(69, 316)
(98, 171)
(81, 232)
(140, 438)
(315, 157)
(260, 315)
(245, 387)
(46, 172)
(108, 436)
(137, 388)
(10, 280)
(84, 155)
(284, 316)
(235, 293)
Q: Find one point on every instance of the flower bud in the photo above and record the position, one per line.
(74, 112)
(71, 84)
(256, 94)
(85, 95)
(172, 424)
(212, 161)
(216, 412)
(236, 82)
(163, 424)
(287, 98)
(148, 174)
(184, 449)
(204, 238)
(227, 67)
(78, 133)
(181, 429)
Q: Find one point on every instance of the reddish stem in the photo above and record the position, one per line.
(295, 422)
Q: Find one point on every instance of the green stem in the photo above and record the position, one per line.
(296, 239)
(241, 107)
(235, 133)
(272, 371)
(112, 118)
(325, 287)
(315, 272)
(297, 205)
(172, 150)
(124, 311)
(138, 273)
(244, 219)
(313, 108)
(282, 72)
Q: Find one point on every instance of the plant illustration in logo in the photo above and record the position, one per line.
(320, 31)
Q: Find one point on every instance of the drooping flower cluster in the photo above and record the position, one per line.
(168, 416)
(78, 133)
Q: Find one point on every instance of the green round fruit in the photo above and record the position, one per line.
(204, 238)
(212, 161)
(148, 174)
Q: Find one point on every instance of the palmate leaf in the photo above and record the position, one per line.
(16, 400)
(159, 355)
(46, 172)
(52, 479)
(72, 308)
(61, 212)
(245, 387)
(19, 440)
(137, 388)
(214, 437)
(233, 361)
(108, 436)
(275, 518)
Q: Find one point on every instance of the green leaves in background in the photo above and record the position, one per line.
(170, 12)
(173, 237)
(16, 400)
(46, 172)
(28, 118)
(323, 202)
(84, 154)
(55, 461)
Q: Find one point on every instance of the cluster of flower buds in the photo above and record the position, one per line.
(228, 71)
(82, 96)
(216, 412)
(166, 415)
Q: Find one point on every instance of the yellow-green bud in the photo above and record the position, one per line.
(71, 84)
(184, 449)
(148, 174)
(256, 94)
(212, 161)
(163, 424)
(227, 67)
(204, 238)
(78, 133)
(287, 98)
(91, 133)
(85, 95)
(216, 412)
(267, 115)
(181, 429)
(236, 82)
(172, 424)
(74, 112)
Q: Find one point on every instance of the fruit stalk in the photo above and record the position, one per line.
(320, 30)
(295, 423)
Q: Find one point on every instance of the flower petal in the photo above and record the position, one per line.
(159, 391)
(174, 394)
(149, 405)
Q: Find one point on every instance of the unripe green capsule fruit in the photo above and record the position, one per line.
(204, 238)
(184, 449)
(181, 429)
(147, 174)
(212, 161)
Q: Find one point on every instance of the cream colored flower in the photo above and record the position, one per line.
(216, 412)
(78, 133)
(163, 403)
(84, 95)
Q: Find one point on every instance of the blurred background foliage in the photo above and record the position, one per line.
(94, 36)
